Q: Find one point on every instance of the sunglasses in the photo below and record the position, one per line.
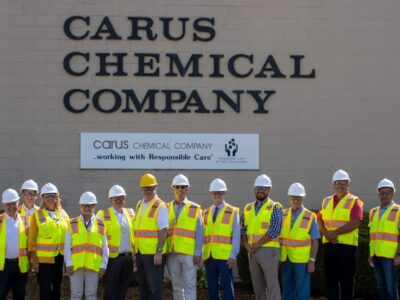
(340, 182)
(181, 187)
(118, 198)
(49, 195)
(149, 188)
(29, 193)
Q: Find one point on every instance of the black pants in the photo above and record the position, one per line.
(340, 268)
(11, 277)
(49, 279)
(150, 277)
(118, 277)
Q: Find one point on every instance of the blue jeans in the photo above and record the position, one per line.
(217, 272)
(295, 281)
(386, 278)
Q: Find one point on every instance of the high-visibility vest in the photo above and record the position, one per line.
(218, 234)
(384, 232)
(51, 234)
(181, 236)
(296, 241)
(23, 262)
(335, 218)
(113, 229)
(258, 225)
(86, 246)
(146, 229)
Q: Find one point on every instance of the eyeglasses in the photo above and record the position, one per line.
(29, 193)
(88, 205)
(295, 198)
(217, 193)
(49, 195)
(182, 187)
(340, 182)
(148, 188)
(118, 198)
(385, 193)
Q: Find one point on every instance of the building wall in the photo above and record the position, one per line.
(347, 117)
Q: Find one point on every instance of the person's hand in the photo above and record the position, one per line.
(331, 236)
(196, 260)
(371, 261)
(397, 260)
(231, 263)
(35, 267)
(157, 259)
(311, 266)
(249, 248)
(69, 271)
(102, 272)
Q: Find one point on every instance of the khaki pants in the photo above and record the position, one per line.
(84, 282)
(32, 287)
(183, 276)
(264, 273)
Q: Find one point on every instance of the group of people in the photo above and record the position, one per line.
(37, 243)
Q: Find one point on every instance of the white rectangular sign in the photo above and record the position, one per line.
(169, 151)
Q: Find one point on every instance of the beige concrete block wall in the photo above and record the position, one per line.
(347, 117)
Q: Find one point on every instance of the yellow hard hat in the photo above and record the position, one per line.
(148, 180)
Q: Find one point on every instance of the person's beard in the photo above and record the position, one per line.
(261, 198)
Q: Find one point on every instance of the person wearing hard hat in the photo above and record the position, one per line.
(299, 246)
(85, 250)
(338, 221)
(261, 225)
(46, 242)
(221, 242)
(184, 240)
(151, 225)
(384, 246)
(14, 263)
(118, 222)
(29, 192)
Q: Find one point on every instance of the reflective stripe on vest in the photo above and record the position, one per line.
(296, 240)
(218, 234)
(258, 225)
(384, 232)
(146, 229)
(339, 216)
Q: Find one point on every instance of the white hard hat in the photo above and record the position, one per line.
(386, 183)
(340, 175)
(297, 189)
(115, 191)
(9, 196)
(88, 198)
(30, 184)
(218, 185)
(48, 188)
(180, 179)
(263, 180)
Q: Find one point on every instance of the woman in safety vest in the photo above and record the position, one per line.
(86, 250)
(46, 242)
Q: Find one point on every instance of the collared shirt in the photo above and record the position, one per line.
(68, 241)
(125, 242)
(12, 237)
(29, 211)
(162, 217)
(314, 231)
(275, 227)
(199, 226)
(235, 230)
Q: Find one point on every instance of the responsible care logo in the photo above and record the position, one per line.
(231, 148)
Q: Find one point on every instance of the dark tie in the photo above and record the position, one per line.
(215, 214)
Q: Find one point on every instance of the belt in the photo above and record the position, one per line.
(12, 259)
(125, 254)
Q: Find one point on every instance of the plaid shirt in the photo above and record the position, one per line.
(275, 227)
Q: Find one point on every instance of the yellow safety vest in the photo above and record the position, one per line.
(113, 228)
(146, 229)
(296, 241)
(218, 234)
(86, 246)
(384, 232)
(258, 225)
(23, 261)
(181, 236)
(51, 234)
(336, 218)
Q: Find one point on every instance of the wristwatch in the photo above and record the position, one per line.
(312, 259)
(159, 250)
